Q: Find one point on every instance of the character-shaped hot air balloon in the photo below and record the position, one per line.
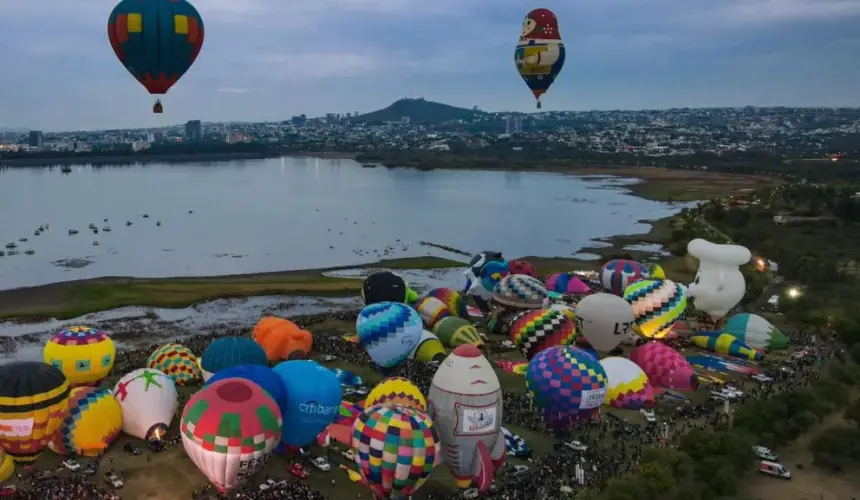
(282, 339)
(148, 400)
(465, 401)
(616, 275)
(91, 423)
(85, 355)
(34, 398)
(177, 362)
(386, 286)
(540, 52)
(396, 449)
(228, 352)
(456, 331)
(567, 283)
(156, 40)
(429, 348)
(657, 305)
(664, 366)
(719, 284)
(485, 271)
(726, 344)
(389, 332)
(452, 300)
(396, 391)
(568, 384)
(520, 266)
(756, 332)
(604, 320)
(627, 385)
(432, 310)
(313, 396)
(534, 331)
(229, 430)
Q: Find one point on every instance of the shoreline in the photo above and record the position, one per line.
(167, 158)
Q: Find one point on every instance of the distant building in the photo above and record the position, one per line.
(37, 140)
(514, 124)
(405, 120)
(193, 130)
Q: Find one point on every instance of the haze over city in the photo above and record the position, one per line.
(267, 60)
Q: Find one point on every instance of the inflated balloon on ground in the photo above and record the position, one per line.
(227, 352)
(148, 400)
(627, 385)
(432, 310)
(313, 397)
(90, 425)
(282, 339)
(452, 300)
(177, 362)
(520, 291)
(616, 275)
(756, 332)
(456, 331)
(533, 331)
(7, 466)
(429, 348)
(519, 266)
(724, 343)
(719, 285)
(389, 332)
(263, 376)
(84, 354)
(485, 271)
(657, 306)
(396, 391)
(568, 283)
(664, 366)
(386, 286)
(605, 320)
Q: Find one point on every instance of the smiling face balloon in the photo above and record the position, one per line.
(719, 284)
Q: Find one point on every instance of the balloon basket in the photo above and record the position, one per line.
(157, 108)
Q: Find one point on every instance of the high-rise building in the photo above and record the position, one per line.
(513, 124)
(193, 130)
(37, 140)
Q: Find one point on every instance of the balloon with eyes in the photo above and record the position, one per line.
(719, 285)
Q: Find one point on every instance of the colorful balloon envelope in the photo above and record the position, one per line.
(616, 275)
(520, 266)
(756, 332)
(313, 397)
(452, 300)
(568, 384)
(229, 430)
(540, 54)
(455, 331)
(627, 385)
(664, 366)
(263, 376)
(282, 339)
(177, 362)
(91, 424)
(148, 400)
(604, 320)
(156, 40)
(85, 355)
(658, 304)
(485, 271)
(534, 331)
(429, 348)
(7, 466)
(432, 310)
(568, 283)
(726, 344)
(389, 332)
(396, 449)
(227, 352)
(34, 398)
(520, 291)
(396, 391)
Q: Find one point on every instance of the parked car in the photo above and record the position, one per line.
(113, 480)
(8, 491)
(362, 391)
(761, 377)
(128, 448)
(518, 471)
(320, 463)
(348, 455)
(298, 471)
(576, 446)
(71, 464)
(764, 453)
(649, 415)
(348, 391)
(327, 358)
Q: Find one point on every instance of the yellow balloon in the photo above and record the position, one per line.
(85, 355)
(7, 466)
(92, 422)
(397, 391)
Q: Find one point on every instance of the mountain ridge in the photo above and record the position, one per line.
(420, 111)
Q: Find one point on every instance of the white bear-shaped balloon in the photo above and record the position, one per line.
(719, 284)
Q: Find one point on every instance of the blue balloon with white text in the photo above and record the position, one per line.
(313, 397)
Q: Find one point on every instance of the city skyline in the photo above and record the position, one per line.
(363, 54)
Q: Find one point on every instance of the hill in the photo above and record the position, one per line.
(11, 130)
(419, 111)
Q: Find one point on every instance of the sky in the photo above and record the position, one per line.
(267, 60)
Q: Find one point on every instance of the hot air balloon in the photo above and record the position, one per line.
(568, 384)
(389, 332)
(313, 396)
(148, 400)
(616, 275)
(605, 320)
(452, 300)
(520, 291)
(520, 266)
(7, 466)
(386, 286)
(540, 52)
(229, 430)
(534, 331)
(719, 284)
(429, 348)
(724, 343)
(664, 366)
(568, 283)
(627, 385)
(228, 352)
(177, 362)
(456, 331)
(655, 271)
(396, 391)
(263, 376)
(432, 310)
(485, 271)
(568, 311)
(657, 305)
(156, 40)
(33, 400)
(756, 332)
(396, 449)
(85, 355)
(465, 401)
(91, 424)
(282, 339)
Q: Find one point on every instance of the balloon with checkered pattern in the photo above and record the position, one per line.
(534, 331)
(389, 332)
(90, 425)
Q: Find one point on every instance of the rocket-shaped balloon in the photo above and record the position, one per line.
(465, 402)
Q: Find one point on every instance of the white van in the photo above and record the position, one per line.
(774, 469)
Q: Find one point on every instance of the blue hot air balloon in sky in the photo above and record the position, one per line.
(263, 376)
(313, 397)
(228, 352)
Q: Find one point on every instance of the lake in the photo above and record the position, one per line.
(292, 213)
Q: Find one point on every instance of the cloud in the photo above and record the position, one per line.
(227, 90)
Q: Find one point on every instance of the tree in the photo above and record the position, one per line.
(853, 411)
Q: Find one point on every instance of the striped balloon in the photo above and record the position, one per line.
(616, 275)
(177, 362)
(452, 300)
(456, 331)
(534, 331)
(657, 304)
(432, 310)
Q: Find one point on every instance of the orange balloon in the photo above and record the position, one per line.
(282, 339)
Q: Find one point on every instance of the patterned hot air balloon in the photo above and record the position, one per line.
(34, 398)
(756, 332)
(156, 40)
(568, 283)
(228, 352)
(263, 376)
(627, 385)
(616, 275)
(534, 331)
(657, 305)
(396, 449)
(429, 348)
(568, 384)
(148, 400)
(7, 466)
(177, 362)
(664, 366)
(85, 355)
(726, 344)
(229, 430)
(520, 291)
(452, 300)
(396, 391)
(389, 332)
(432, 310)
(456, 331)
(520, 266)
(539, 55)
(91, 424)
